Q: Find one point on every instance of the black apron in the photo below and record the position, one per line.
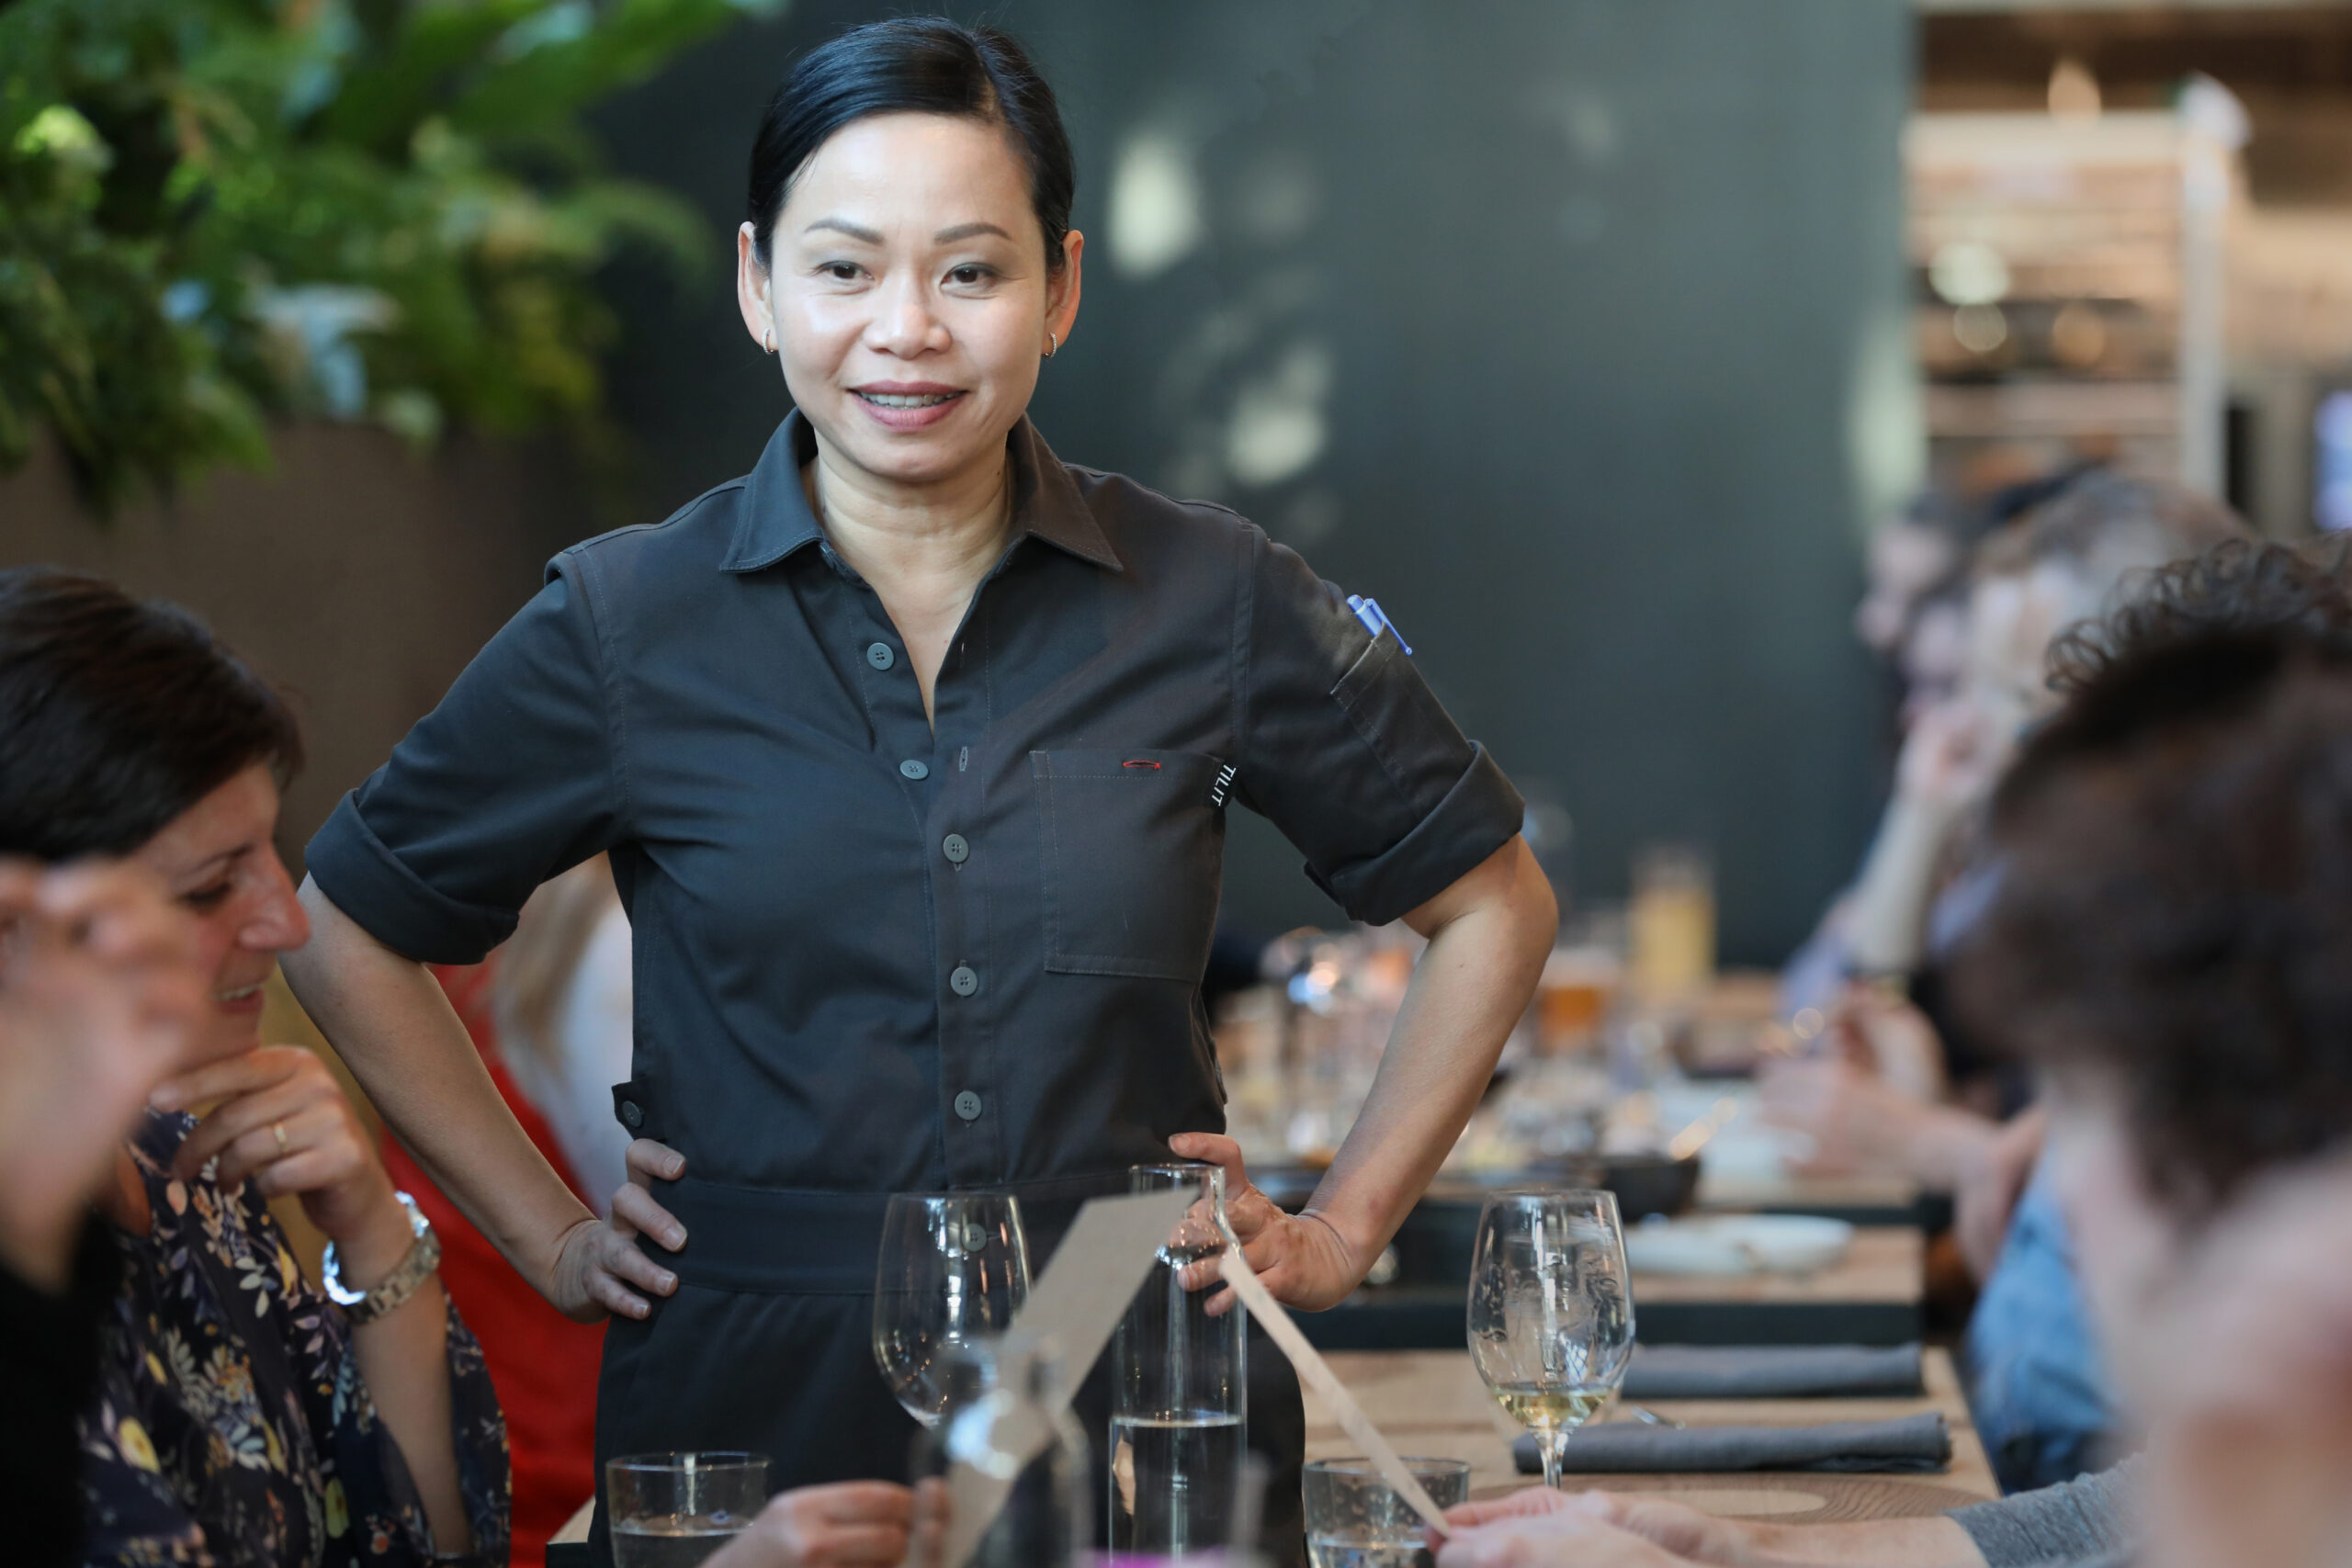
(766, 1345)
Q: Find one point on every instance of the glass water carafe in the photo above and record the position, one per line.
(1180, 1380)
(1006, 1418)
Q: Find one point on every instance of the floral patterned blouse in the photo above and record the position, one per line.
(230, 1428)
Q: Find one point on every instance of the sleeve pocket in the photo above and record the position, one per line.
(1401, 720)
(1134, 856)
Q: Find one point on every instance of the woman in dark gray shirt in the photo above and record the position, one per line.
(911, 749)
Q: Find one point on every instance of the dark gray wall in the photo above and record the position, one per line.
(1589, 301)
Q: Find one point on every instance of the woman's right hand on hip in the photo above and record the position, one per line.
(599, 1270)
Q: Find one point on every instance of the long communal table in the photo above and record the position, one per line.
(1432, 1403)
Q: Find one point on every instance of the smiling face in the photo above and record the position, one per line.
(218, 861)
(908, 295)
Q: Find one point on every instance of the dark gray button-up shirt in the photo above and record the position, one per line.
(875, 953)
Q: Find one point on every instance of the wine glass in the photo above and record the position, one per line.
(1551, 1316)
(954, 1268)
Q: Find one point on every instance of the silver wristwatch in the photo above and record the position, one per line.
(424, 1257)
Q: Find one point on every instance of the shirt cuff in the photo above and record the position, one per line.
(367, 882)
(1478, 816)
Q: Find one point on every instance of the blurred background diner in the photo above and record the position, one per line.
(1755, 421)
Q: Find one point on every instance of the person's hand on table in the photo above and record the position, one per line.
(1685, 1535)
(851, 1524)
(1538, 1527)
(1302, 1258)
(599, 1267)
(1578, 1530)
(100, 992)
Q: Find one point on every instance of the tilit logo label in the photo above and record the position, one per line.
(1225, 777)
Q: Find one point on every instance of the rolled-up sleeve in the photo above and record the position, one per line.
(1346, 750)
(515, 777)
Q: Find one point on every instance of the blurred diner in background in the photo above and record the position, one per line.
(804, 785)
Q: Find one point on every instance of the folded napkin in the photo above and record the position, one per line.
(1909, 1443)
(1771, 1371)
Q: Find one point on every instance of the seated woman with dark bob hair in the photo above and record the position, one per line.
(240, 1416)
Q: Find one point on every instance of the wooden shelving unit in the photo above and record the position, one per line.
(2070, 293)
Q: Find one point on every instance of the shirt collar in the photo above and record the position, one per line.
(777, 520)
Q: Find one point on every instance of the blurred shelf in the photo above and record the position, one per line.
(2053, 408)
(2091, 315)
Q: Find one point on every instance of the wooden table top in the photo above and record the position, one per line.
(1886, 1264)
(1782, 1194)
(1432, 1403)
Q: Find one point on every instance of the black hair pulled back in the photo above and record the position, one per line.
(914, 65)
(117, 714)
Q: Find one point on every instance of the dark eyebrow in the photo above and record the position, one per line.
(843, 226)
(965, 232)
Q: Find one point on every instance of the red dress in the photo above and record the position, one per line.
(543, 1364)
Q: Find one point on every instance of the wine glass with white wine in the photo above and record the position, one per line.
(1551, 1311)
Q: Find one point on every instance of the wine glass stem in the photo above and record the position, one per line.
(1553, 1447)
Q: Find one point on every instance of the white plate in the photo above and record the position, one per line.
(1737, 1243)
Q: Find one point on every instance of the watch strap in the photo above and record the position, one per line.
(423, 1258)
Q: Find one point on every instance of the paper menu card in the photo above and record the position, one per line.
(1077, 1303)
(1316, 1372)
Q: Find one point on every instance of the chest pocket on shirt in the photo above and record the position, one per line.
(1134, 848)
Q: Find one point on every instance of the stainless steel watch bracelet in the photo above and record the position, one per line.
(424, 1257)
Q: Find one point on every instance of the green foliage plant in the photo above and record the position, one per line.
(218, 212)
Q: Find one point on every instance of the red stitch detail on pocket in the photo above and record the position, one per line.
(1133, 762)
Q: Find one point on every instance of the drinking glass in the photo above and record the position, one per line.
(1180, 1385)
(954, 1266)
(1550, 1313)
(674, 1510)
(1354, 1519)
(1673, 924)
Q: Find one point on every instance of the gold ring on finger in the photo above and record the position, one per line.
(279, 1130)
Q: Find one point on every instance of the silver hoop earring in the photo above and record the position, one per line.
(767, 341)
(1056, 342)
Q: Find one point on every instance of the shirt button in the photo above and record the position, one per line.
(968, 1106)
(915, 770)
(956, 849)
(878, 654)
(632, 1113)
(964, 981)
